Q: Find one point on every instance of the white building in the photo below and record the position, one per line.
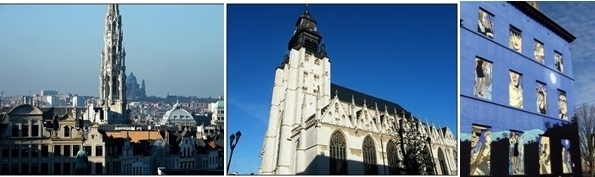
(217, 108)
(52, 101)
(79, 101)
(49, 93)
(316, 127)
(177, 116)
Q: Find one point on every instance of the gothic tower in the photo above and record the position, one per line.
(112, 86)
(301, 87)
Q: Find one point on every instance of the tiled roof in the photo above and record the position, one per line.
(135, 136)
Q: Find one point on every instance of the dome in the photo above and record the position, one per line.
(131, 78)
(220, 104)
(177, 115)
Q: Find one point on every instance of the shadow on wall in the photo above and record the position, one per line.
(499, 156)
(321, 165)
(46, 164)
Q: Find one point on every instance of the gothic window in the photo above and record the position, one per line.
(66, 131)
(338, 161)
(442, 159)
(393, 158)
(369, 150)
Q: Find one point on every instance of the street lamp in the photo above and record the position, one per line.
(233, 146)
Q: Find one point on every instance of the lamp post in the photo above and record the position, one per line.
(233, 144)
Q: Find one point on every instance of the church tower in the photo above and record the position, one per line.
(301, 87)
(112, 86)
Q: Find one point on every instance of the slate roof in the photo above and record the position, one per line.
(345, 95)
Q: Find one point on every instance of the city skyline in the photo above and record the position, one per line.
(186, 61)
(369, 51)
(579, 24)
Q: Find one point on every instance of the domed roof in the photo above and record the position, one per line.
(131, 78)
(177, 115)
(220, 104)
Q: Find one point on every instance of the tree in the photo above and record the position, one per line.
(585, 115)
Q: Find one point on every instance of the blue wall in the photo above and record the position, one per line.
(497, 113)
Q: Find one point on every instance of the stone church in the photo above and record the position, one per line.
(319, 128)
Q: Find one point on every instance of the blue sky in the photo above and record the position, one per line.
(581, 25)
(406, 54)
(175, 48)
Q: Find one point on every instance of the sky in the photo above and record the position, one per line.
(174, 48)
(406, 54)
(582, 49)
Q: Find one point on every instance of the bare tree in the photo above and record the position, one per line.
(585, 115)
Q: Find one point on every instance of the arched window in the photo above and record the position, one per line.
(66, 131)
(338, 161)
(370, 165)
(393, 158)
(442, 159)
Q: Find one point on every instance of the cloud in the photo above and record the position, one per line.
(251, 109)
(581, 25)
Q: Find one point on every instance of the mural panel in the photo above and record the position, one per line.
(515, 90)
(481, 139)
(545, 166)
(483, 79)
(485, 23)
(562, 107)
(539, 52)
(541, 98)
(566, 162)
(515, 41)
(559, 62)
(517, 153)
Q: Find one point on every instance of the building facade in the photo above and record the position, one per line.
(517, 92)
(317, 127)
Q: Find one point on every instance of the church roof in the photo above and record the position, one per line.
(177, 115)
(345, 95)
(131, 78)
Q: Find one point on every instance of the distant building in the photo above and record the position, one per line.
(27, 100)
(79, 101)
(177, 116)
(133, 91)
(49, 93)
(52, 101)
(217, 109)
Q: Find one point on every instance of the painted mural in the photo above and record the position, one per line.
(485, 23)
(539, 52)
(559, 62)
(483, 79)
(545, 166)
(541, 98)
(562, 107)
(515, 41)
(515, 90)
(566, 162)
(517, 152)
(481, 139)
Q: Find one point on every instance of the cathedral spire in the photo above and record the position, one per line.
(306, 34)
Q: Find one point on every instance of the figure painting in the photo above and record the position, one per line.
(517, 152)
(566, 162)
(515, 41)
(483, 79)
(562, 107)
(480, 150)
(539, 52)
(559, 62)
(485, 23)
(545, 166)
(541, 98)
(515, 90)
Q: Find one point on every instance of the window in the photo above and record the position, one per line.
(559, 62)
(516, 153)
(562, 107)
(57, 150)
(34, 168)
(25, 151)
(539, 52)
(369, 151)
(515, 42)
(15, 151)
(5, 150)
(67, 151)
(393, 159)
(98, 168)
(515, 90)
(98, 150)
(87, 150)
(544, 155)
(25, 130)
(4, 169)
(45, 169)
(481, 138)
(442, 161)
(34, 150)
(541, 98)
(486, 23)
(15, 130)
(66, 131)
(67, 170)
(338, 148)
(35, 130)
(45, 150)
(25, 169)
(483, 79)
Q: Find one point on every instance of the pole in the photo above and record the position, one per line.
(382, 148)
(229, 161)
